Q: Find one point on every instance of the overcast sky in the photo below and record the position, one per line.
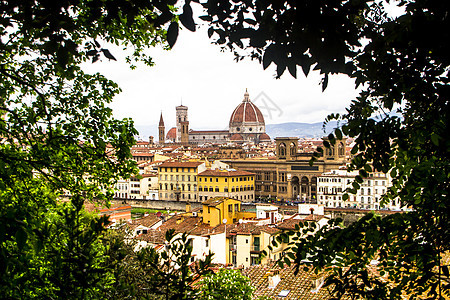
(212, 84)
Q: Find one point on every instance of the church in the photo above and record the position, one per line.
(246, 126)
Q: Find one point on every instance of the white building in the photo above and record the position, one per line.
(331, 187)
(145, 188)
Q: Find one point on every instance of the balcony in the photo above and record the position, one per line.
(255, 248)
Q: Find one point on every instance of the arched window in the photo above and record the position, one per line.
(292, 149)
(341, 149)
(282, 149)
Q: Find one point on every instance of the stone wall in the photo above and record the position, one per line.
(158, 204)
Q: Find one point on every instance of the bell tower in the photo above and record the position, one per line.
(182, 125)
(162, 131)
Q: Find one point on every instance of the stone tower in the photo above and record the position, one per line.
(182, 125)
(162, 131)
(286, 147)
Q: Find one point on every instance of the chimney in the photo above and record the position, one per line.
(274, 279)
(317, 282)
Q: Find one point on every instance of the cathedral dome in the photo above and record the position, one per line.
(264, 137)
(236, 137)
(246, 112)
(172, 134)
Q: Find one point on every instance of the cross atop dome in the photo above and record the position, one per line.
(246, 96)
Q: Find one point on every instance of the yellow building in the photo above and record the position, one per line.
(218, 209)
(178, 180)
(234, 184)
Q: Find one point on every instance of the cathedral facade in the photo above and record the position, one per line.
(246, 126)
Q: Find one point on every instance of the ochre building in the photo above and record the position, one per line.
(290, 177)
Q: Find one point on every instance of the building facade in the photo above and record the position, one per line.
(332, 186)
(178, 180)
(234, 184)
(289, 176)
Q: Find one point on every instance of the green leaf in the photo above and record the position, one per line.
(435, 139)
(186, 17)
(324, 82)
(108, 54)
(21, 237)
(338, 133)
(172, 34)
(292, 67)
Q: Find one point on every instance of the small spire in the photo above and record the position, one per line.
(161, 121)
(246, 96)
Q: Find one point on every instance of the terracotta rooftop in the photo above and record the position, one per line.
(224, 173)
(236, 137)
(290, 286)
(147, 221)
(225, 132)
(264, 137)
(289, 224)
(216, 201)
(181, 164)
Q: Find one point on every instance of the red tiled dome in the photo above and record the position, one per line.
(264, 137)
(236, 137)
(246, 111)
(172, 133)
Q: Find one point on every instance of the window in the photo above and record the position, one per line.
(230, 207)
(217, 179)
(236, 207)
(217, 189)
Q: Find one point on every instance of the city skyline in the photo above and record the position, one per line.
(212, 84)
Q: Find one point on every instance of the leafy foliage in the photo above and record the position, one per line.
(226, 284)
(58, 136)
(399, 122)
(146, 273)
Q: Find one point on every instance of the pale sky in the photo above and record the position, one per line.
(212, 84)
